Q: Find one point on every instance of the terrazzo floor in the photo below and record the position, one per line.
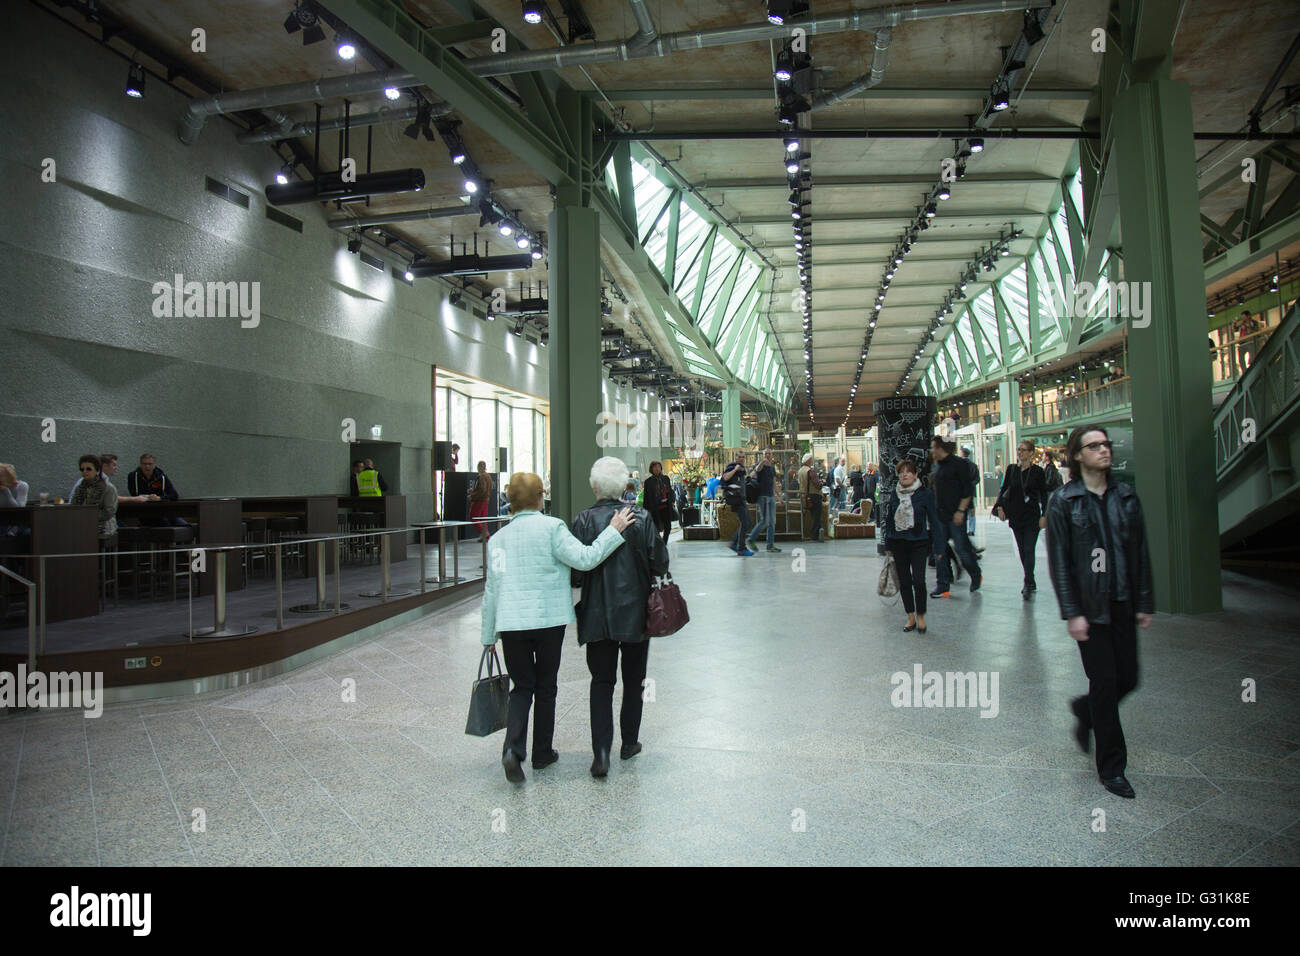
(771, 739)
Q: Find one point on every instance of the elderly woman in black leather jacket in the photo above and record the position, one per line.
(612, 612)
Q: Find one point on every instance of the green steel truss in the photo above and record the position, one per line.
(1024, 318)
(717, 295)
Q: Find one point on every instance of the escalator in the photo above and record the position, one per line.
(1256, 451)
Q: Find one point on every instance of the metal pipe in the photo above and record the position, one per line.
(868, 20)
(385, 570)
(646, 32)
(219, 595)
(279, 589)
(196, 112)
(690, 134)
(865, 82)
(415, 215)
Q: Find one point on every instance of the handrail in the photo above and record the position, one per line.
(1266, 391)
(31, 614)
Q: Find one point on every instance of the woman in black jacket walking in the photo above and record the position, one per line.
(1023, 502)
(658, 499)
(612, 612)
(910, 523)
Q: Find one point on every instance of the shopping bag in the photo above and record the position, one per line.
(888, 586)
(665, 611)
(490, 697)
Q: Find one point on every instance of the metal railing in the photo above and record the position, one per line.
(1269, 388)
(253, 601)
(1089, 404)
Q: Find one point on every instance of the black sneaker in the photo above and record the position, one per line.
(774, 548)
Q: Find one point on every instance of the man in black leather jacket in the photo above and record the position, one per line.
(1101, 571)
(612, 613)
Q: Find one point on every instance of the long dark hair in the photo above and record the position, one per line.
(1074, 446)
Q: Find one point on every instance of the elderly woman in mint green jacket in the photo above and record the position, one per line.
(527, 602)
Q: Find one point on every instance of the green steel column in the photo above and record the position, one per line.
(574, 314)
(731, 418)
(1009, 405)
(1159, 213)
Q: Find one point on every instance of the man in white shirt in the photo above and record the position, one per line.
(839, 482)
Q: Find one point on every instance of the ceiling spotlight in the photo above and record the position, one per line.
(282, 177)
(961, 170)
(408, 276)
(792, 165)
(346, 48)
(1006, 250)
(533, 11)
(505, 228)
(135, 81)
(471, 186)
(898, 259)
(1001, 95)
(523, 242)
(354, 242)
(458, 154)
(537, 253)
(783, 11)
(944, 192)
(784, 67)
(963, 284)
(931, 210)
(976, 144)
(393, 93)
(791, 144)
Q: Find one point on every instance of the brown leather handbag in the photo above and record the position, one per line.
(665, 611)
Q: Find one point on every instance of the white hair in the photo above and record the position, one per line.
(608, 477)
(807, 458)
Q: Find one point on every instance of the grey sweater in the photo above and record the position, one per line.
(102, 495)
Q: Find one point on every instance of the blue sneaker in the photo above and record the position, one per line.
(745, 553)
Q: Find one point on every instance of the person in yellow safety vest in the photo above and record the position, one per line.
(368, 484)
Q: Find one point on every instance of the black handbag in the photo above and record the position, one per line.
(489, 699)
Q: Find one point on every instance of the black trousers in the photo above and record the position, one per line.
(1026, 542)
(533, 663)
(813, 506)
(909, 558)
(663, 522)
(602, 661)
(1110, 660)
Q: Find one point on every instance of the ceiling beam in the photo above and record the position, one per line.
(898, 179)
(880, 93)
(1001, 215)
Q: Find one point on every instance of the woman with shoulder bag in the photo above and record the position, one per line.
(910, 523)
(612, 613)
(1023, 502)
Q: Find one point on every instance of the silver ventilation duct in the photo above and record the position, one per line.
(368, 119)
(196, 113)
(865, 82)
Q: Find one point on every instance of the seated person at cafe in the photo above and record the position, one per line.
(108, 468)
(96, 492)
(150, 483)
(13, 494)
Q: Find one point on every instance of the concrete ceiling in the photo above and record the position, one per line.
(864, 191)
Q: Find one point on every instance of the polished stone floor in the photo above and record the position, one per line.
(771, 739)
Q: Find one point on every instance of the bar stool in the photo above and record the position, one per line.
(107, 561)
(254, 534)
(277, 528)
(133, 541)
(166, 561)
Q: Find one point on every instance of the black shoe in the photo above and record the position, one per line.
(1026, 591)
(920, 629)
(514, 772)
(628, 751)
(1119, 786)
(544, 760)
(1033, 587)
(938, 593)
(979, 550)
(909, 627)
(600, 766)
(774, 548)
(976, 582)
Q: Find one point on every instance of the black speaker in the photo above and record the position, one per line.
(442, 456)
(503, 466)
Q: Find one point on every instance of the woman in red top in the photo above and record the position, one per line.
(479, 497)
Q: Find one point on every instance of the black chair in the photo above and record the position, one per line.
(255, 538)
(277, 529)
(169, 563)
